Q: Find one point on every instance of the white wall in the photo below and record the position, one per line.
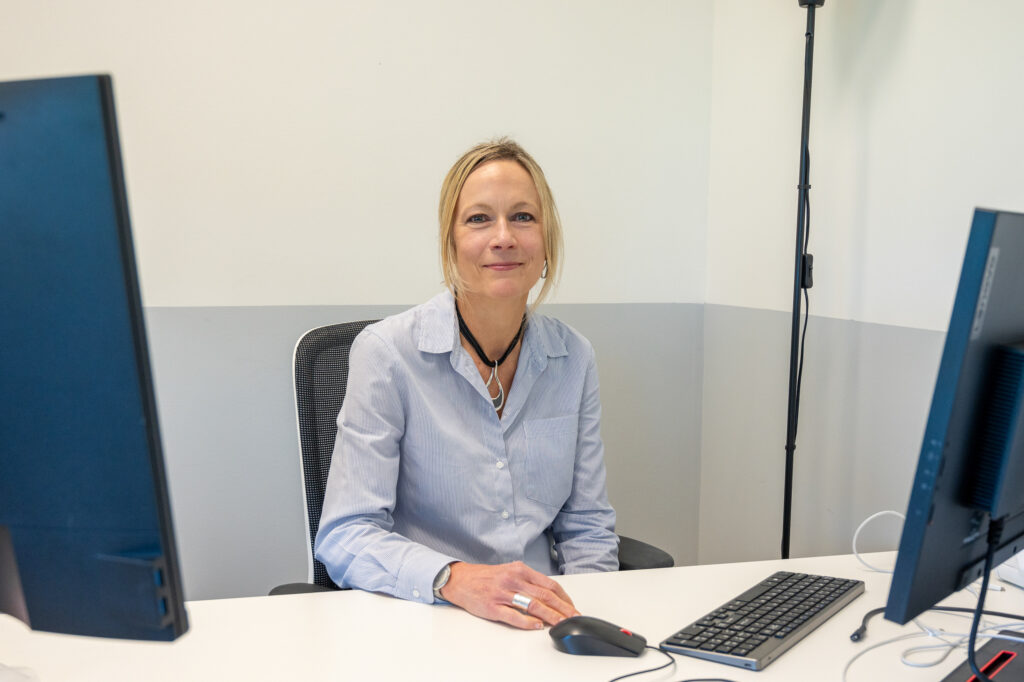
(289, 153)
(915, 120)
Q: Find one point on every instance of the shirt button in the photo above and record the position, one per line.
(504, 514)
(416, 594)
(501, 465)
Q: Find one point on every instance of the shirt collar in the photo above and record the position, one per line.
(439, 330)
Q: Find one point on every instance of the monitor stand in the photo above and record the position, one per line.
(12, 599)
(999, 659)
(17, 674)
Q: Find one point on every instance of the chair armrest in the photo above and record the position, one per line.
(299, 588)
(634, 554)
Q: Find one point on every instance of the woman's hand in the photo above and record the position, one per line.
(486, 591)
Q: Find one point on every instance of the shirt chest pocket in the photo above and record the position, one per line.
(550, 459)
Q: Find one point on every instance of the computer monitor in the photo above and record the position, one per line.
(86, 540)
(971, 466)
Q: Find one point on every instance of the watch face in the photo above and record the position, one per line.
(441, 580)
(442, 577)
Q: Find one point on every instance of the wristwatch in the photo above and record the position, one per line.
(441, 580)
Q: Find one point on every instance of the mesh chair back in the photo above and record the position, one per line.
(321, 375)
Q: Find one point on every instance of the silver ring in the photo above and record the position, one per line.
(521, 601)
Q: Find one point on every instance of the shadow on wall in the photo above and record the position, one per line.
(873, 32)
(858, 63)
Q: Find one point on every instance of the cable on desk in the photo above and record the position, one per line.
(947, 646)
(859, 633)
(925, 632)
(671, 662)
(875, 646)
(951, 641)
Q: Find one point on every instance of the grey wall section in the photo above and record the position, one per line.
(694, 409)
(650, 360)
(227, 416)
(866, 394)
(223, 382)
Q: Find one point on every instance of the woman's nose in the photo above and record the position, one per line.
(503, 235)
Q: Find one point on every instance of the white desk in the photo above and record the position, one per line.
(353, 635)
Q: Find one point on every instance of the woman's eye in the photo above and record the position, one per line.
(477, 218)
(522, 217)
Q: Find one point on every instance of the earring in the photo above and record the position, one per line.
(544, 272)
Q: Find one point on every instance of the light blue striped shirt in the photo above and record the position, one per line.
(424, 472)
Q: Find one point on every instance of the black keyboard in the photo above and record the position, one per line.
(756, 627)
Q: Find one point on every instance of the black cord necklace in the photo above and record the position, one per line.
(499, 400)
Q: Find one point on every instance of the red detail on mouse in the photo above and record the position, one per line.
(626, 631)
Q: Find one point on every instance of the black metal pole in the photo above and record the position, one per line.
(800, 282)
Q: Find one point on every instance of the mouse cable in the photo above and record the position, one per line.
(671, 662)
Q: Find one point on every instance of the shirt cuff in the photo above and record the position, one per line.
(416, 577)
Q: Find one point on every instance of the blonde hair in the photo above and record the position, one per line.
(501, 149)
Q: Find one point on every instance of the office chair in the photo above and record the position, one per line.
(321, 375)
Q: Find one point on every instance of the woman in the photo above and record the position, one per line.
(468, 465)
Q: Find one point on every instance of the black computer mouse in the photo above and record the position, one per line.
(595, 637)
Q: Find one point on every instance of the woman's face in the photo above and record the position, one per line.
(499, 238)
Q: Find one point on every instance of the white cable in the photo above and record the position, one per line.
(937, 633)
(865, 522)
(973, 591)
(989, 630)
(947, 647)
(875, 646)
(956, 641)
